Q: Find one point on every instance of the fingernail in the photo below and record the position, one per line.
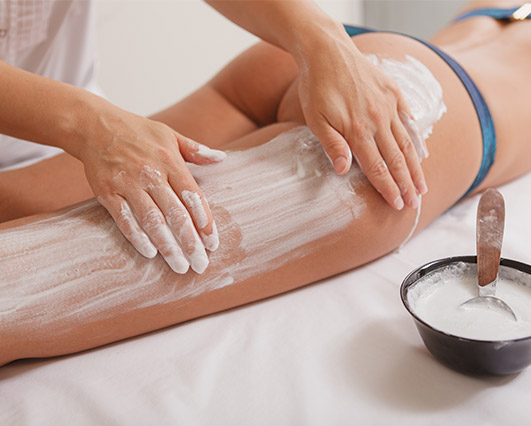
(340, 165)
(422, 187)
(199, 261)
(178, 263)
(398, 203)
(147, 249)
(211, 241)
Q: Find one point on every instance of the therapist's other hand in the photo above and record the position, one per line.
(354, 108)
(136, 168)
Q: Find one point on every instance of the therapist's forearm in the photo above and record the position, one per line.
(294, 25)
(45, 111)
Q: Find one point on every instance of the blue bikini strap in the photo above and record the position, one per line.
(482, 110)
(499, 14)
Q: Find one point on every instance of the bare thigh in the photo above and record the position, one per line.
(42, 187)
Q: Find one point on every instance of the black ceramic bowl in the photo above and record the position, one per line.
(469, 356)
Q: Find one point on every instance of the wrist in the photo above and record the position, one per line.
(317, 38)
(81, 125)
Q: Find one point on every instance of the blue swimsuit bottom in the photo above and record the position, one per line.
(482, 110)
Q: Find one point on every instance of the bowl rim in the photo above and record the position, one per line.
(445, 261)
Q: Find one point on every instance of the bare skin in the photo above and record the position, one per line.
(136, 166)
(248, 104)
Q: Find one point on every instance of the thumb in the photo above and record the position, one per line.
(197, 153)
(335, 146)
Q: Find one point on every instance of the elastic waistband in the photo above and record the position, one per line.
(519, 13)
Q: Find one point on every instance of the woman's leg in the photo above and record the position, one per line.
(46, 186)
(71, 282)
(286, 220)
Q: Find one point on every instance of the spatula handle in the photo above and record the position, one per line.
(489, 235)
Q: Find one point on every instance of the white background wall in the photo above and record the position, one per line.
(421, 18)
(154, 52)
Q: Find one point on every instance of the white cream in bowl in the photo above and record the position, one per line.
(436, 300)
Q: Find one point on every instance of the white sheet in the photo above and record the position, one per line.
(342, 351)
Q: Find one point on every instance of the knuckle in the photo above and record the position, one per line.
(165, 155)
(152, 219)
(123, 221)
(176, 216)
(397, 161)
(184, 234)
(407, 146)
(377, 169)
(149, 175)
(166, 249)
(188, 244)
(336, 146)
(393, 87)
(360, 130)
(403, 187)
(375, 113)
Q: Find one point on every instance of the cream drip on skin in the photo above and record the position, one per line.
(268, 201)
(437, 299)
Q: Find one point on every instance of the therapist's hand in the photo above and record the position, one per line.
(136, 168)
(347, 102)
(353, 107)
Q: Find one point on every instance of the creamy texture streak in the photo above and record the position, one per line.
(436, 299)
(267, 215)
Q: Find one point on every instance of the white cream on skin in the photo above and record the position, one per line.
(209, 153)
(166, 221)
(267, 215)
(437, 299)
(184, 246)
(134, 233)
(270, 202)
(422, 92)
(211, 241)
(193, 202)
(424, 96)
(277, 207)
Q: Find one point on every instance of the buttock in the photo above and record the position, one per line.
(458, 131)
(391, 46)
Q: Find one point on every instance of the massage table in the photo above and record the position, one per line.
(343, 351)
